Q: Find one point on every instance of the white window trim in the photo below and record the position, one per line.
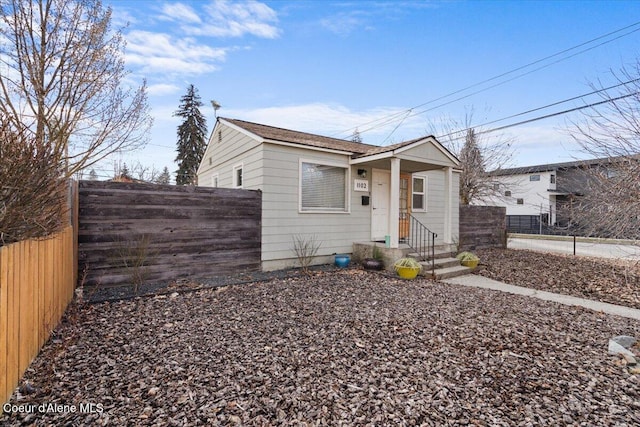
(234, 176)
(215, 180)
(347, 186)
(425, 179)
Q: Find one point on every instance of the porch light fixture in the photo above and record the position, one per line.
(362, 173)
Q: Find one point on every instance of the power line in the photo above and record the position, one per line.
(514, 78)
(571, 110)
(547, 116)
(553, 104)
(397, 126)
(392, 117)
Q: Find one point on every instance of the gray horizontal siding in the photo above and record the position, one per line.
(433, 219)
(236, 148)
(281, 220)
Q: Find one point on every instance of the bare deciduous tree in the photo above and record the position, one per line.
(609, 205)
(32, 193)
(480, 153)
(62, 77)
(145, 173)
(135, 171)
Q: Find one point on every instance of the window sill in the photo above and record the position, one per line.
(324, 212)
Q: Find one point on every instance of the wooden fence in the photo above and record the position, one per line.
(37, 281)
(482, 227)
(132, 232)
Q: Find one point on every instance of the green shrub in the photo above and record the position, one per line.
(407, 263)
(467, 256)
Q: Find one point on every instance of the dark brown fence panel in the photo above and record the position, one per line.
(165, 232)
(482, 227)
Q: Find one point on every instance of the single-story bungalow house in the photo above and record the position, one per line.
(336, 191)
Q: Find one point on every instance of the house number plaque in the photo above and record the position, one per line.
(360, 185)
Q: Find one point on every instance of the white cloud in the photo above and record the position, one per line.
(338, 121)
(180, 12)
(543, 144)
(121, 17)
(162, 89)
(345, 23)
(352, 19)
(222, 18)
(162, 53)
(235, 19)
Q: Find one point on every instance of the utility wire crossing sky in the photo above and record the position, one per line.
(392, 70)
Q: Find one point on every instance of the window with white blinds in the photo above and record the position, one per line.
(323, 187)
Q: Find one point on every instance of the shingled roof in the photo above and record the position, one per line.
(357, 149)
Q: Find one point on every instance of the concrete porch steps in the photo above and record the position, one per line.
(445, 268)
(438, 254)
(445, 265)
(441, 263)
(449, 272)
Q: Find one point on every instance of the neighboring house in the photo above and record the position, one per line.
(339, 191)
(534, 195)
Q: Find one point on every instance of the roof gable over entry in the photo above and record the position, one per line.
(418, 151)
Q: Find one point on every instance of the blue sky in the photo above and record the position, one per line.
(329, 67)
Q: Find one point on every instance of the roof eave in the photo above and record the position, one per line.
(306, 146)
(371, 158)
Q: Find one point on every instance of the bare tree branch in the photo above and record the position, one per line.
(63, 74)
(32, 193)
(609, 203)
(479, 154)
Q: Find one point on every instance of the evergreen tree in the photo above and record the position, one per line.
(124, 172)
(164, 177)
(191, 137)
(93, 176)
(356, 136)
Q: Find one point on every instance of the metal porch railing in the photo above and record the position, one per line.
(421, 240)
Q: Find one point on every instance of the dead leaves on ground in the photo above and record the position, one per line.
(611, 281)
(346, 347)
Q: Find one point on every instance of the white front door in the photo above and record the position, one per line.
(380, 183)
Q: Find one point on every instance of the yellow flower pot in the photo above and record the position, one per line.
(472, 263)
(407, 272)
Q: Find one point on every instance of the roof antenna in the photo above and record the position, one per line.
(216, 106)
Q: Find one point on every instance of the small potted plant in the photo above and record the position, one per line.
(407, 268)
(468, 259)
(342, 260)
(375, 263)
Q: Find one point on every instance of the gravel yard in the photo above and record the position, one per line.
(606, 280)
(338, 348)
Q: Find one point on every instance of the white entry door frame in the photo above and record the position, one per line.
(380, 203)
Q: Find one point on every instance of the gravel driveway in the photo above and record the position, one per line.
(337, 348)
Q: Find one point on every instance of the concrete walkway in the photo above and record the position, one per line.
(486, 283)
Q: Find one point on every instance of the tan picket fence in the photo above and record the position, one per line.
(37, 280)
